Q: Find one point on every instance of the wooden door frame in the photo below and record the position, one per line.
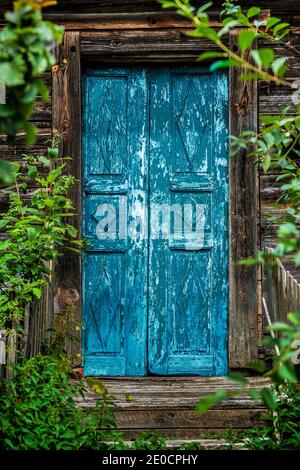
(131, 46)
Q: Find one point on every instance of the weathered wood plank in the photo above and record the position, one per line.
(66, 93)
(243, 309)
(281, 291)
(171, 393)
(40, 323)
(137, 44)
(120, 20)
(171, 419)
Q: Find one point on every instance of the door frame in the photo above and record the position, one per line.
(80, 47)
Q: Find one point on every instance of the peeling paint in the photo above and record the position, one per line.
(180, 279)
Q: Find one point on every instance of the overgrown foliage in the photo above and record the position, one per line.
(38, 410)
(281, 423)
(25, 53)
(36, 230)
(281, 428)
(277, 148)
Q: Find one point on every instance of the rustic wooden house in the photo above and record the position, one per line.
(165, 318)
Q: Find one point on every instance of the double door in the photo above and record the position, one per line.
(155, 186)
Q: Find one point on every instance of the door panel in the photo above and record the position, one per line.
(188, 286)
(115, 272)
(155, 282)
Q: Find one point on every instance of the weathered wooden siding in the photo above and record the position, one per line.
(169, 29)
(281, 292)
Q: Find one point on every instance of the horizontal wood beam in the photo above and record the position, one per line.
(131, 20)
(137, 44)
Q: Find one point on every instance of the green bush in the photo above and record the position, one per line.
(281, 430)
(38, 410)
(149, 440)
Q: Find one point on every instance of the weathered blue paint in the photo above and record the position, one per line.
(188, 280)
(156, 136)
(115, 137)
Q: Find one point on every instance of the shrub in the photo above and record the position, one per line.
(38, 410)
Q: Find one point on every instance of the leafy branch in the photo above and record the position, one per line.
(261, 59)
(26, 42)
(35, 231)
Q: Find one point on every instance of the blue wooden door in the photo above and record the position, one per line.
(155, 278)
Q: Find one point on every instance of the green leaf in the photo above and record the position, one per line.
(210, 401)
(279, 326)
(210, 55)
(204, 7)
(245, 39)
(263, 57)
(271, 22)
(269, 138)
(32, 172)
(248, 262)
(254, 394)
(256, 57)
(44, 160)
(222, 64)
(32, 233)
(31, 132)
(37, 292)
(228, 25)
(167, 4)
(238, 377)
(294, 318)
(11, 74)
(43, 90)
(253, 11)
(278, 66)
(279, 27)
(53, 152)
(7, 172)
(71, 231)
(269, 398)
(5, 245)
(287, 372)
(206, 32)
(266, 163)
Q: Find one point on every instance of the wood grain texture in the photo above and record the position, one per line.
(167, 404)
(66, 114)
(186, 170)
(115, 139)
(243, 182)
(281, 291)
(188, 283)
(134, 45)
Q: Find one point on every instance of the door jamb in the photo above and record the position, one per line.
(243, 176)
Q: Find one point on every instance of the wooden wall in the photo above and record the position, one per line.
(90, 15)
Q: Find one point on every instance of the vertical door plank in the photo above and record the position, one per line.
(243, 310)
(66, 83)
